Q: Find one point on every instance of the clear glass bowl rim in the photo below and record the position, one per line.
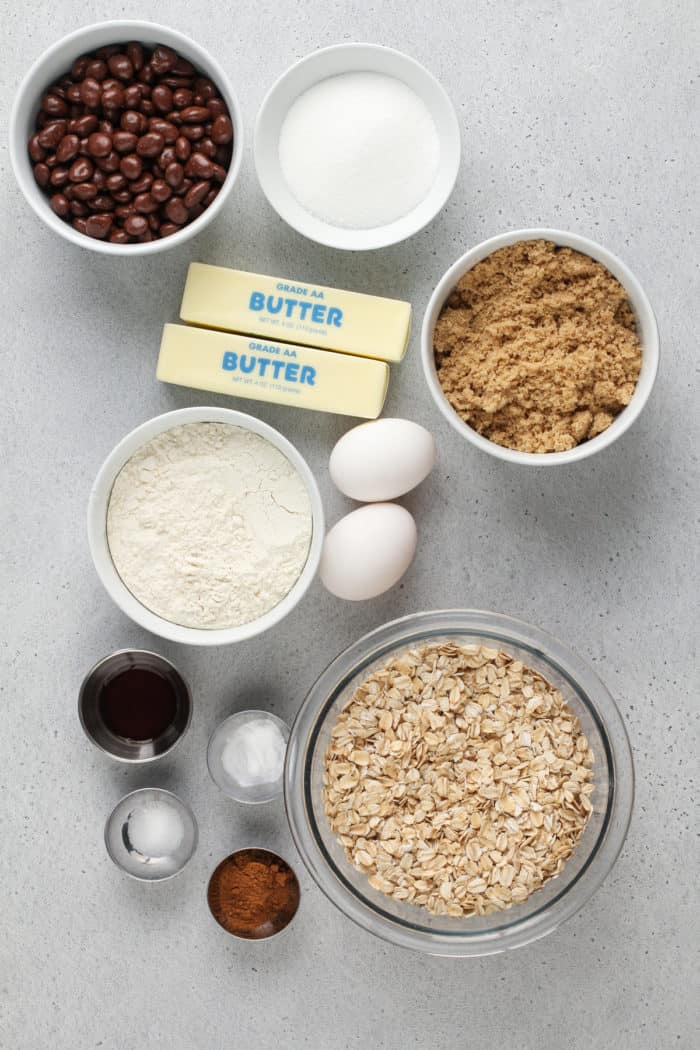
(410, 630)
(243, 716)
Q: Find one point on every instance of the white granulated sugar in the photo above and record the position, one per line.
(209, 525)
(359, 150)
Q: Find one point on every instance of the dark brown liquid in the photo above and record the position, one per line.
(138, 704)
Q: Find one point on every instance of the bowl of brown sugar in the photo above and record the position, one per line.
(540, 347)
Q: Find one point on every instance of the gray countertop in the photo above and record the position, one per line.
(576, 116)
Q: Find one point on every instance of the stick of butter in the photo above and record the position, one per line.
(278, 372)
(312, 314)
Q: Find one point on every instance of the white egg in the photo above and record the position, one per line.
(382, 459)
(368, 551)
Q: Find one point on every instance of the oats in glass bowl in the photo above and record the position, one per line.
(458, 779)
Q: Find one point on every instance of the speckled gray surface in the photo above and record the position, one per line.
(576, 116)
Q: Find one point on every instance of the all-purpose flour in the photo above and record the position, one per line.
(209, 525)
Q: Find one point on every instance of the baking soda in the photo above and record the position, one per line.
(359, 150)
(253, 755)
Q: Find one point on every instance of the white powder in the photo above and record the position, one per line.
(253, 756)
(209, 525)
(359, 150)
(155, 829)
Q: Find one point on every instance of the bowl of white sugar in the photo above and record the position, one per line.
(205, 526)
(357, 146)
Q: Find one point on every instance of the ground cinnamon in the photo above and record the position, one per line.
(253, 893)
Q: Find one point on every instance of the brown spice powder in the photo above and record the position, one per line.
(253, 893)
(536, 348)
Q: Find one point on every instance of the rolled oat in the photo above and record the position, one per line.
(458, 779)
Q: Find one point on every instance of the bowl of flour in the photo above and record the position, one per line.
(205, 526)
(357, 146)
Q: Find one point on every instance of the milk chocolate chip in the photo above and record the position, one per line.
(131, 144)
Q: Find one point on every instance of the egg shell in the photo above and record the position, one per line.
(382, 459)
(368, 551)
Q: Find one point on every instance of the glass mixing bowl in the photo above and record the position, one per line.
(407, 924)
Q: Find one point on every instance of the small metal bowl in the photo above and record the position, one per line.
(118, 747)
(128, 859)
(223, 906)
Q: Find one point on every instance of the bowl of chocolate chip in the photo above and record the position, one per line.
(126, 137)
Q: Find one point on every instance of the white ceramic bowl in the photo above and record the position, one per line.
(329, 62)
(646, 327)
(97, 528)
(54, 63)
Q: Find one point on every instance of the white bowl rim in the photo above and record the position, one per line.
(336, 236)
(17, 146)
(97, 531)
(646, 321)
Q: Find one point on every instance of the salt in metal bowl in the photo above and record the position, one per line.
(136, 864)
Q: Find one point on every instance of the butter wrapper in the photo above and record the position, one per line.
(296, 312)
(281, 373)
